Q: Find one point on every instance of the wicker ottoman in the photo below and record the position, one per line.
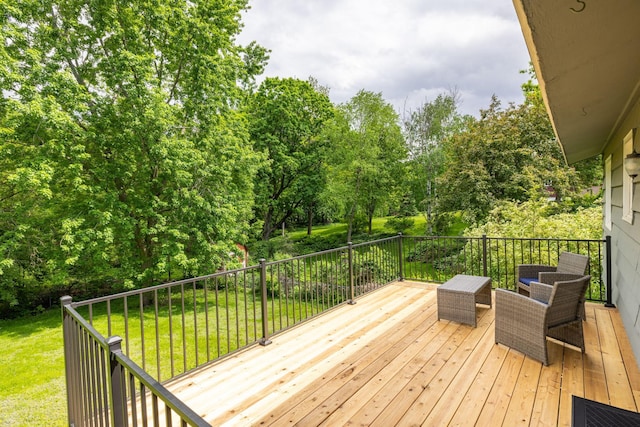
(457, 298)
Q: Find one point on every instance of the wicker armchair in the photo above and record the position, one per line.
(570, 266)
(524, 323)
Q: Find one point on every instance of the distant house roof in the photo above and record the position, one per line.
(587, 60)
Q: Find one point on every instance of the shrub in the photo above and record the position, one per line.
(399, 224)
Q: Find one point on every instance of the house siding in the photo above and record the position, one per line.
(625, 237)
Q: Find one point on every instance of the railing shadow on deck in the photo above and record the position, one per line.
(161, 332)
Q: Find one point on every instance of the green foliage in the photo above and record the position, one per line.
(511, 155)
(541, 219)
(274, 249)
(425, 131)
(508, 154)
(544, 220)
(137, 148)
(434, 250)
(125, 159)
(407, 206)
(366, 151)
(286, 117)
(400, 224)
(590, 172)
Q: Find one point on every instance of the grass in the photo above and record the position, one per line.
(378, 228)
(32, 389)
(340, 229)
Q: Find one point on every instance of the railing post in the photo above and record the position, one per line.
(484, 255)
(400, 258)
(607, 250)
(265, 312)
(352, 300)
(116, 384)
(69, 375)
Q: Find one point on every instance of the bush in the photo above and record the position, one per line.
(399, 224)
(273, 249)
(541, 219)
(430, 251)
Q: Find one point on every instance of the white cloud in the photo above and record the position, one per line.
(410, 50)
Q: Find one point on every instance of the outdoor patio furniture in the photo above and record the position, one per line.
(458, 296)
(524, 323)
(570, 266)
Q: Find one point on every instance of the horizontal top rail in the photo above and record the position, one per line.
(532, 239)
(388, 239)
(135, 292)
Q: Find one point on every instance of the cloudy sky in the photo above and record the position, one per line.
(409, 50)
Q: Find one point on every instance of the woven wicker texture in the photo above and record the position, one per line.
(570, 267)
(524, 323)
(458, 296)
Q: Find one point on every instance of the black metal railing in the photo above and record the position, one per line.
(437, 259)
(172, 328)
(106, 388)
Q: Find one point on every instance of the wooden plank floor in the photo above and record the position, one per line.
(388, 361)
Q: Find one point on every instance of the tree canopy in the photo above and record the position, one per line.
(506, 154)
(124, 152)
(426, 131)
(367, 149)
(286, 118)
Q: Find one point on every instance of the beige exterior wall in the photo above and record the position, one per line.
(625, 237)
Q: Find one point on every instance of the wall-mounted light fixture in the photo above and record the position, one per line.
(632, 161)
(632, 164)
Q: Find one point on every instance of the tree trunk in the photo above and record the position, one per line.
(352, 213)
(309, 220)
(429, 210)
(267, 228)
(350, 217)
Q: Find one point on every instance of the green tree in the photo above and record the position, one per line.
(286, 118)
(425, 129)
(508, 154)
(122, 135)
(367, 147)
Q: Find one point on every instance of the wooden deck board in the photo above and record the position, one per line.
(387, 360)
(618, 383)
(520, 408)
(631, 367)
(476, 395)
(595, 382)
(547, 397)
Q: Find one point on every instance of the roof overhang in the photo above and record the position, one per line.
(586, 54)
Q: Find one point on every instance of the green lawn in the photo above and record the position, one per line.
(377, 227)
(233, 321)
(32, 387)
(340, 228)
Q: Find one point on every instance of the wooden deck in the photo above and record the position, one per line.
(388, 361)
